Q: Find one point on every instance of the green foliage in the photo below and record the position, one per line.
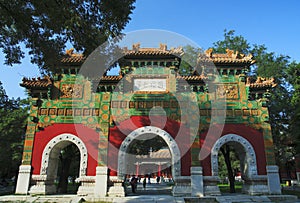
(294, 122)
(189, 60)
(45, 27)
(291, 192)
(232, 164)
(225, 188)
(13, 114)
(233, 42)
(268, 64)
(235, 163)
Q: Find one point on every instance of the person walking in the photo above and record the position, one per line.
(144, 183)
(133, 183)
(158, 179)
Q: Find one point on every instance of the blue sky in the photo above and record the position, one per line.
(273, 23)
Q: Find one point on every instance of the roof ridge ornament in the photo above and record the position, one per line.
(230, 56)
(208, 52)
(70, 52)
(136, 46)
(231, 53)
(260, 82)
(163, 47)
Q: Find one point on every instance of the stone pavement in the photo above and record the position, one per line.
(154, 193)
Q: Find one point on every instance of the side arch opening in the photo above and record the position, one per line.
(46, 181)
(244, 151)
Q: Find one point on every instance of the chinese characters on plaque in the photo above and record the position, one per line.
(150, 85)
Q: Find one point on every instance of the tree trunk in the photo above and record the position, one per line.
(226, 153)
(63, 178)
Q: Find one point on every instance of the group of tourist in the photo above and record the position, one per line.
(134, 181)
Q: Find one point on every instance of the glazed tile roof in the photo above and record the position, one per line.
(260, 82)
(178, 77)
(161, 51)
(72, 58)
(36, 82)
(191, 77)
(161, 154)
(112, 77)
(46, 81)
(230, 57)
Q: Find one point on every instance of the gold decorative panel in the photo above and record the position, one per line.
(228, 91)
(71, 91)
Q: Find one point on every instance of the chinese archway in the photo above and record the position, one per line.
(149, 97)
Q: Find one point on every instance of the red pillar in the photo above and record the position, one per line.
(159, 170)
(137, 168)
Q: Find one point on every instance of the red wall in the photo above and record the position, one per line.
(254, 137)
(87, 135)
(118, 133)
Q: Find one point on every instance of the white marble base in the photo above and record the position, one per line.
(273, 180)
(211, 185)
(42, 189)
(117, 190)
(182, 186)
(42, 186)
(100, 189)
(197, 181)
(87, 186)
(181, 191)
(257, 185)
(23, 179)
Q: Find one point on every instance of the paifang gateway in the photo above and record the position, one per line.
(194, 113)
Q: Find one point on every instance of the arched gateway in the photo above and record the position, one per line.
(45, 181)
(103, 118)
(172, 145)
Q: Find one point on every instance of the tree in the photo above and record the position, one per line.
(294, 79)
(233, 42)
(142, 146)
(13, 114)
(45, 27)
(189, 60)
(268, 64)
(232, 165)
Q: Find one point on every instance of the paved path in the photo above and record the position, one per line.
(154, 193)
(160, 193)
(151, 189)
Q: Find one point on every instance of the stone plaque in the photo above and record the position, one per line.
(155, 85)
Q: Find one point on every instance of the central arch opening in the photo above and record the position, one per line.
(151, 156)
